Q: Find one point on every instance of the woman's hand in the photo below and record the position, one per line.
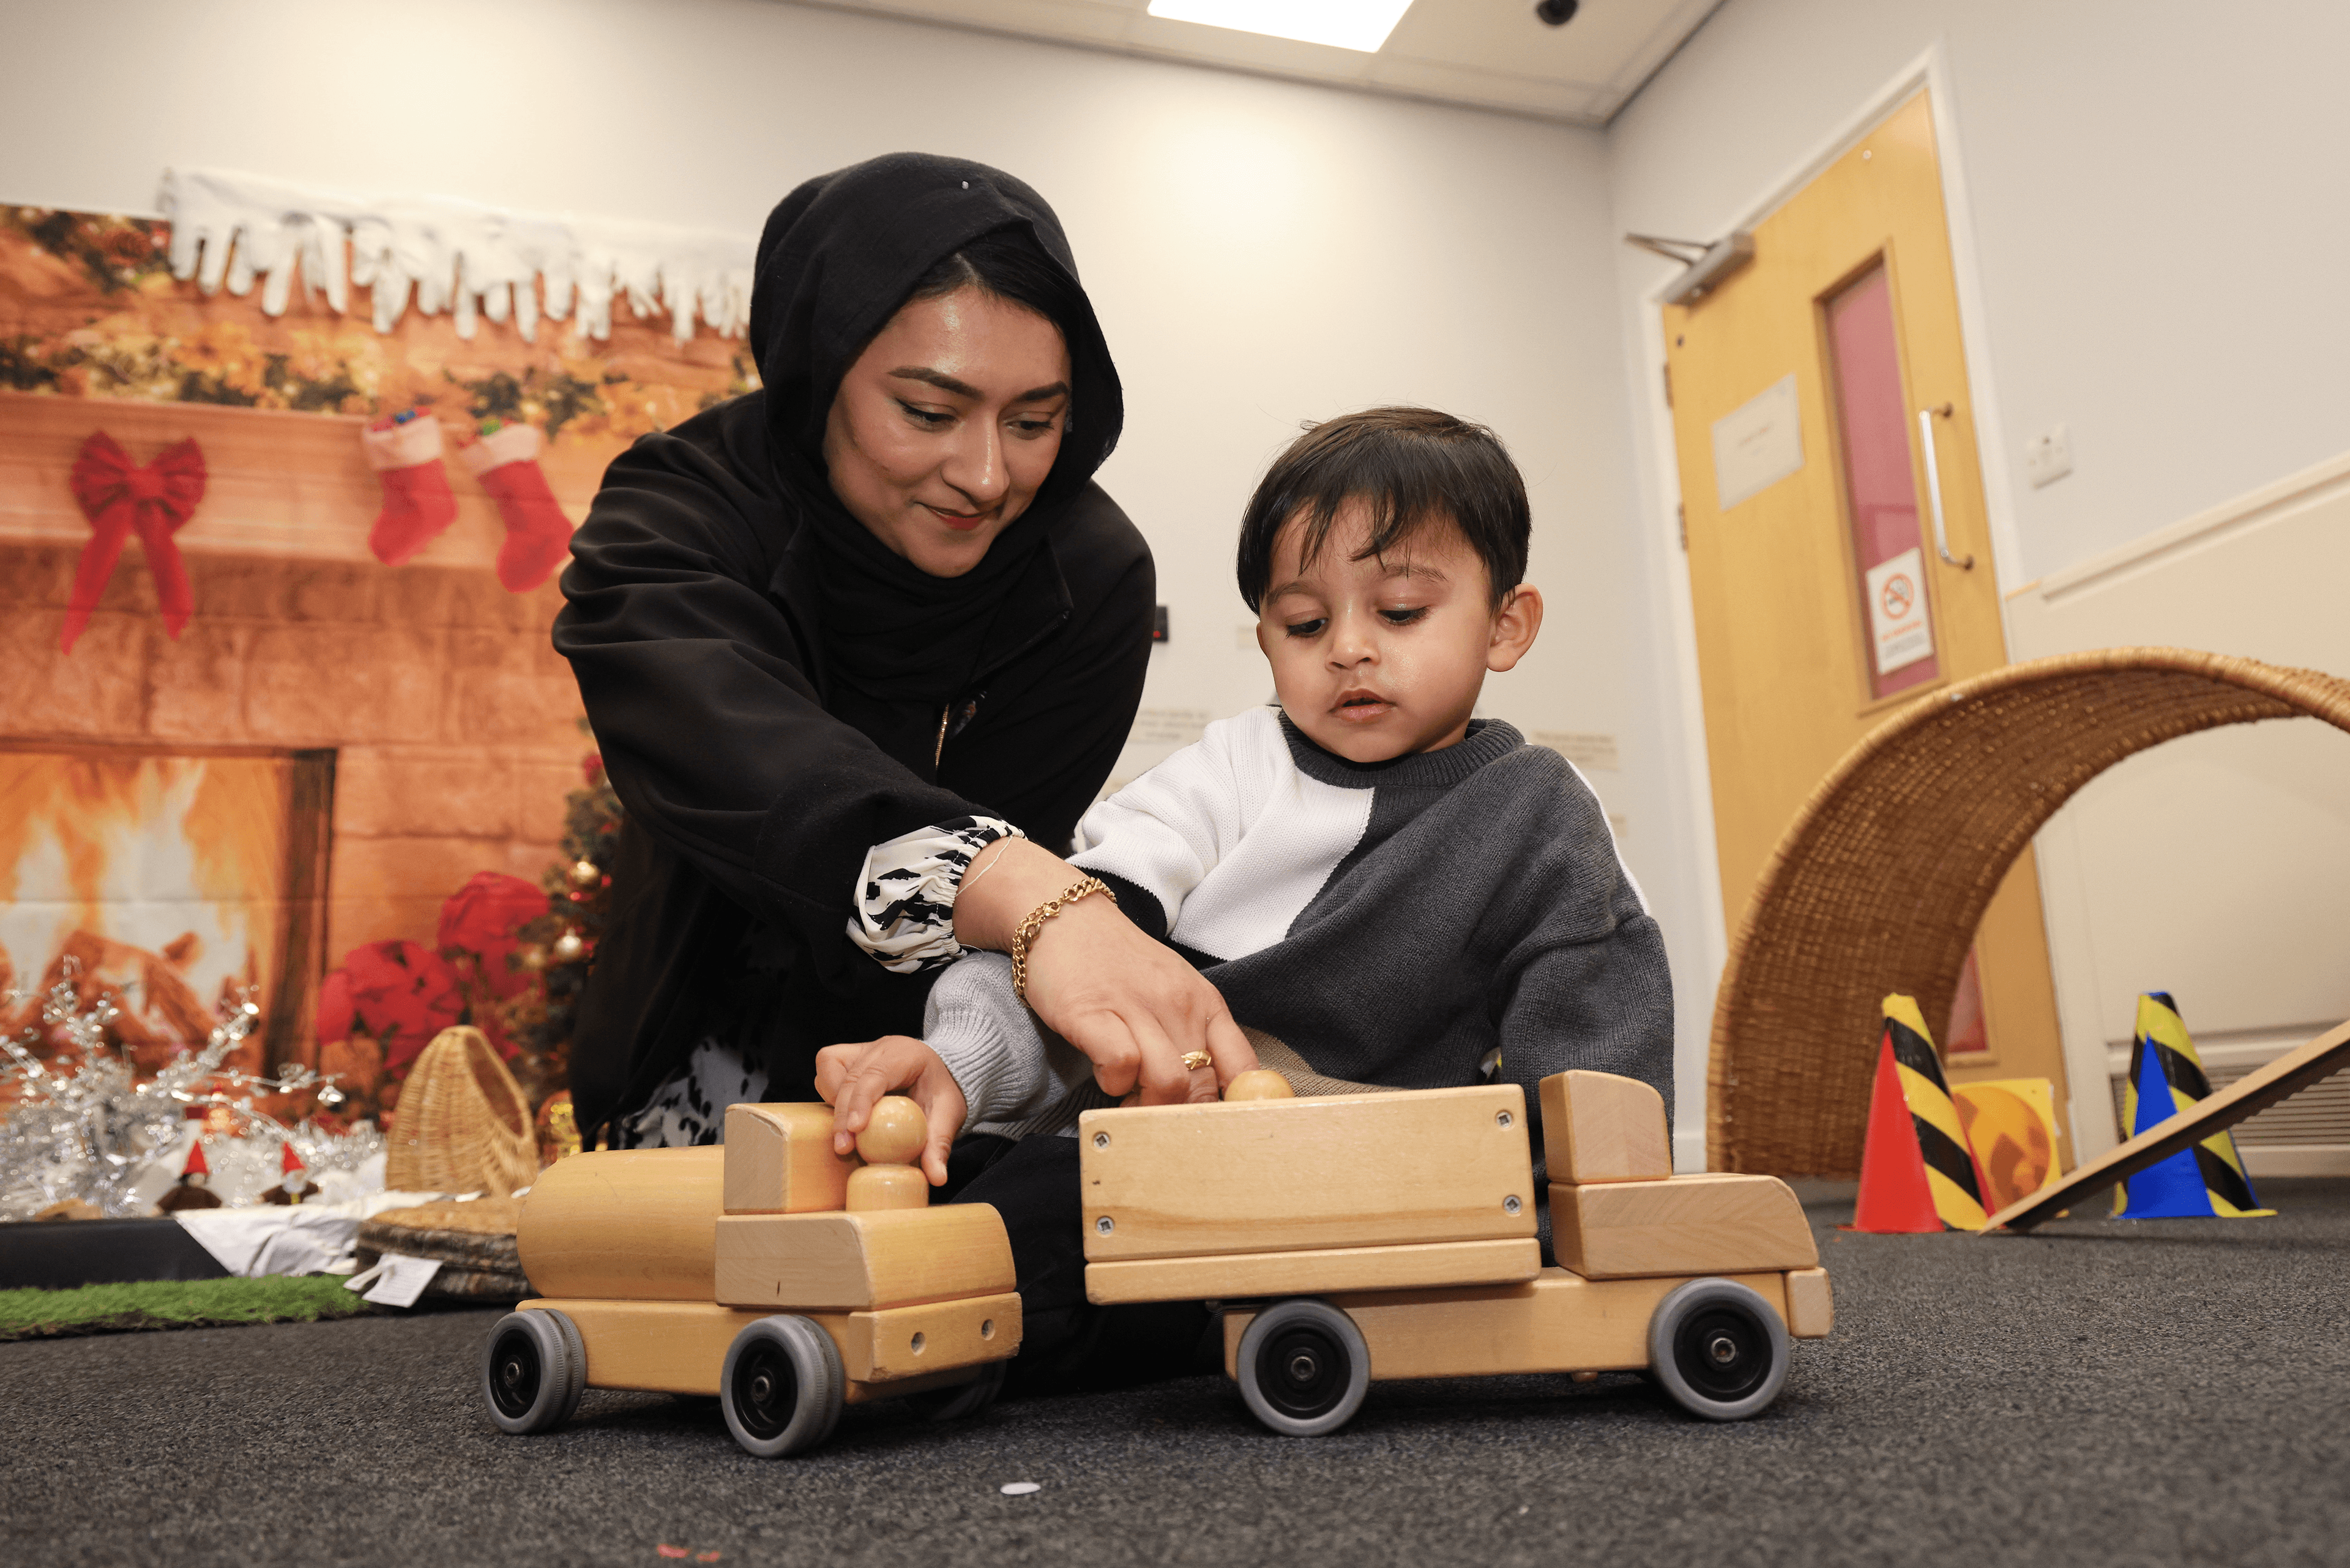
(1130, 1003)
(853, 1078)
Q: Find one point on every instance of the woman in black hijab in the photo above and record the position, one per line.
(855, 640)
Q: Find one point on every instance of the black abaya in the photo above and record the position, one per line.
(759, 757)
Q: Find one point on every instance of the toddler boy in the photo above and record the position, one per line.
(1387, 891)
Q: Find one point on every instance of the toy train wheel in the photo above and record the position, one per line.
(964, 1399)
(781, 1387)
(534, 1367)
(1717, 1347)
(1303, 1368)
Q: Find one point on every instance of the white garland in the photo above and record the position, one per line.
(474, 261)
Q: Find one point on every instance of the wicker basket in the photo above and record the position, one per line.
(463, 1124)
(1878, 884)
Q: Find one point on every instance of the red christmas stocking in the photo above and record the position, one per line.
(538, 535)
(405, 450)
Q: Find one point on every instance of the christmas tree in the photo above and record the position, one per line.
(560, 945)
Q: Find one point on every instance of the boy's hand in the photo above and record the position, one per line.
(853, 1078)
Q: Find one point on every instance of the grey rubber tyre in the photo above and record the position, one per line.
(1303, 1368)
(1717, 1349)
(964, 1399)
(781, 1387)
(534, 1366)
(578, 1345)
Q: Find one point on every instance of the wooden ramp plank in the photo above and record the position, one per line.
(2256, 1091)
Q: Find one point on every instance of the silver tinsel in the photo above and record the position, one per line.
(86, 1128)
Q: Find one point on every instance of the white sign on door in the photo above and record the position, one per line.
(1758, 444)
(1897, 629)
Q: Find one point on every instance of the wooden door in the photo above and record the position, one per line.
(1822, 602)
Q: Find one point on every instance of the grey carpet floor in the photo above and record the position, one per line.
(2170, 1392)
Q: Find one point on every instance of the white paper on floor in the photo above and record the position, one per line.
(297, 1239)
(396, 1279)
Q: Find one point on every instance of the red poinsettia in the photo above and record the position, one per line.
(402, 992)
(482, 919)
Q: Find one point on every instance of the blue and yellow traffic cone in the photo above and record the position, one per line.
(2166, 1077)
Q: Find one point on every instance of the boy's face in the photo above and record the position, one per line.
(1376, 658)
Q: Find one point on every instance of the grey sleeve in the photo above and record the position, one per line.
(1604, 1005)
(1016, 1075)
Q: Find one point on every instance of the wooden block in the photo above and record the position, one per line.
(1810, 1308)
(1560, 1323)
(862, 1262)
(1314, 1272)
(915, 1341)
(1716, 1224)
(664, 1347)
(1348, 1170)
(634, 1224)
(779, 1159)
(679, 1347)
(1598, 1127)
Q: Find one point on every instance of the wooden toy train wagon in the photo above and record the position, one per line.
(1347, 1239)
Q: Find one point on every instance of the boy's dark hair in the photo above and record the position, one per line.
(1414, 468)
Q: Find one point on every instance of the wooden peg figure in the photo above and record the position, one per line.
(1263, 1083)
(892, 1140)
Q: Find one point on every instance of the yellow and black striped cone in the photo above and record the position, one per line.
(1937, 1168)
(2166, 1077)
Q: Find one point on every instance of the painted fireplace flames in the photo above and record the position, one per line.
(177, 882)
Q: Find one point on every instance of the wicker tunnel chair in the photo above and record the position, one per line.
(1878, 884)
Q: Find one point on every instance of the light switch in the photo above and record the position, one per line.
(2048, 456)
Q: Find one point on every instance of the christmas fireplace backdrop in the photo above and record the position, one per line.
(253, 757)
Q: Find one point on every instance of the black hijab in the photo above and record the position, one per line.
(839, 256)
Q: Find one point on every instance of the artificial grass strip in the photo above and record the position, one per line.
(174, 1304)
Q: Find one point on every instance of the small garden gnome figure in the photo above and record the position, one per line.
(194, 1190)
(293, 1184)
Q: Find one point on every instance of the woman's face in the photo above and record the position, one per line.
(944, 428)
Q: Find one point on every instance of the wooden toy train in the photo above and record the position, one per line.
(1347, 1238)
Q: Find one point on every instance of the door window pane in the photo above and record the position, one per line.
(1881, 493)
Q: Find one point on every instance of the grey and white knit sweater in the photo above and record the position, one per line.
(1393, 923)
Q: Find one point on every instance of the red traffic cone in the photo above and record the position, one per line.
(1894, 1197)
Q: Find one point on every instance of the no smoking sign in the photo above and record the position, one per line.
(1898, 634)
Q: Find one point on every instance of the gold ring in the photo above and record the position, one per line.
(1195, 1059)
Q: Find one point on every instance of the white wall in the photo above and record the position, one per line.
(2152, 193)
(1261, 253)
(2153, 189)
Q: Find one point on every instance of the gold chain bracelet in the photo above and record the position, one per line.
(1035, 923)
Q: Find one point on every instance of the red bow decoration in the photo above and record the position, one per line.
(119, 496)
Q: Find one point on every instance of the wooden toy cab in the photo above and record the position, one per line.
(1393, 1235)
(785, 1280)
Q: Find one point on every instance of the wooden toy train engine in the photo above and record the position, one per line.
(1348, 1238)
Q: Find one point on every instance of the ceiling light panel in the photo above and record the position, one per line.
(1362, 25)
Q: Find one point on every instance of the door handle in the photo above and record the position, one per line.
(1934, 486)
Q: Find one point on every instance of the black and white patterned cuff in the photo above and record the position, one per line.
(905, 899)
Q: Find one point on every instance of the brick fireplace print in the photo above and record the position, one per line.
(324, 749)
